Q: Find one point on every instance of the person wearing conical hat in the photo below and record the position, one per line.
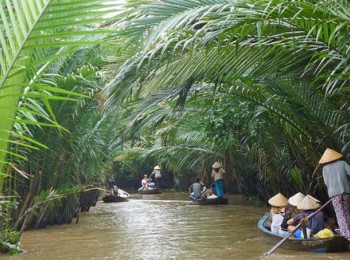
(335, 174)
(218, 175)
(157, 176)
(291, 210)
(278, 204)
(309, 203)
(296, 199)
(278, 201)
(315, 224)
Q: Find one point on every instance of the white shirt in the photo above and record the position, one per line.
(276, 223)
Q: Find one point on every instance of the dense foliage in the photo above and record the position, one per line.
(53, 143)
(260, 85)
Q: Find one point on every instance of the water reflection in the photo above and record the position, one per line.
(162, 226)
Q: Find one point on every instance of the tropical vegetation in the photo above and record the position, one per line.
(52, 147)
(260, 85)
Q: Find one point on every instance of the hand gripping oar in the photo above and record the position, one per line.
(296, 228)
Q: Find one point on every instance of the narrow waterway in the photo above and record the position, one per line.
(164, 226)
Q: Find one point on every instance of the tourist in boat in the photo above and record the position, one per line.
(307, 206)
(218, 176)
(195, 189)
(209, 193)
(157, 176)
(278, 204)
(113, 187)
(291, 211)
(144, 182)
(335, 175)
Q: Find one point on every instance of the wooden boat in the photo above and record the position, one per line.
(120, 197)
(149, 191)
(321, 245)
(209, 201)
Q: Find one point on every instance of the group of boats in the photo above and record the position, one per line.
(335, 243)
(124, 196)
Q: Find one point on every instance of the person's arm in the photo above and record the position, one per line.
(190, 188)
(290, 222)
(296, 219)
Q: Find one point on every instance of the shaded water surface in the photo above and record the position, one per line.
(163, 226)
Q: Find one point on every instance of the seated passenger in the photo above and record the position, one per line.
(113, 187)
(291, 211)
(144, 182)
(307, 206)
(278, 203)
(195, 189)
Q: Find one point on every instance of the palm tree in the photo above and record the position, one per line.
(35, 35)
(44, 44)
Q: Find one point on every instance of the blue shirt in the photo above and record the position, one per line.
(316, 223)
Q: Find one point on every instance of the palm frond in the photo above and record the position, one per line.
(33, 35)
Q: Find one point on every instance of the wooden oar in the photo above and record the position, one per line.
(296, 228)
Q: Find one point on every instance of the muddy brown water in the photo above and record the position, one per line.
(162, 226)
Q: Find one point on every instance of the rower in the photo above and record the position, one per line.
(195, 189)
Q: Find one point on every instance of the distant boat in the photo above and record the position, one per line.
(149, 191)
(211, 200)
(120, 197)
(319, 245)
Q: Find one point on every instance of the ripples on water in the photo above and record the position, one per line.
(164, 226)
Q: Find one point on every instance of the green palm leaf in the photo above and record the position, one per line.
(287, 58)
(33, 34)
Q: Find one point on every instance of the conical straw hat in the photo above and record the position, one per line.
(216, 165)
(156, 167)
(278, 200)
(296, 199)
(314, 199)
(330, 155)
(308, 203)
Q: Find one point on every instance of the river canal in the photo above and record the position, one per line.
(163, 226)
